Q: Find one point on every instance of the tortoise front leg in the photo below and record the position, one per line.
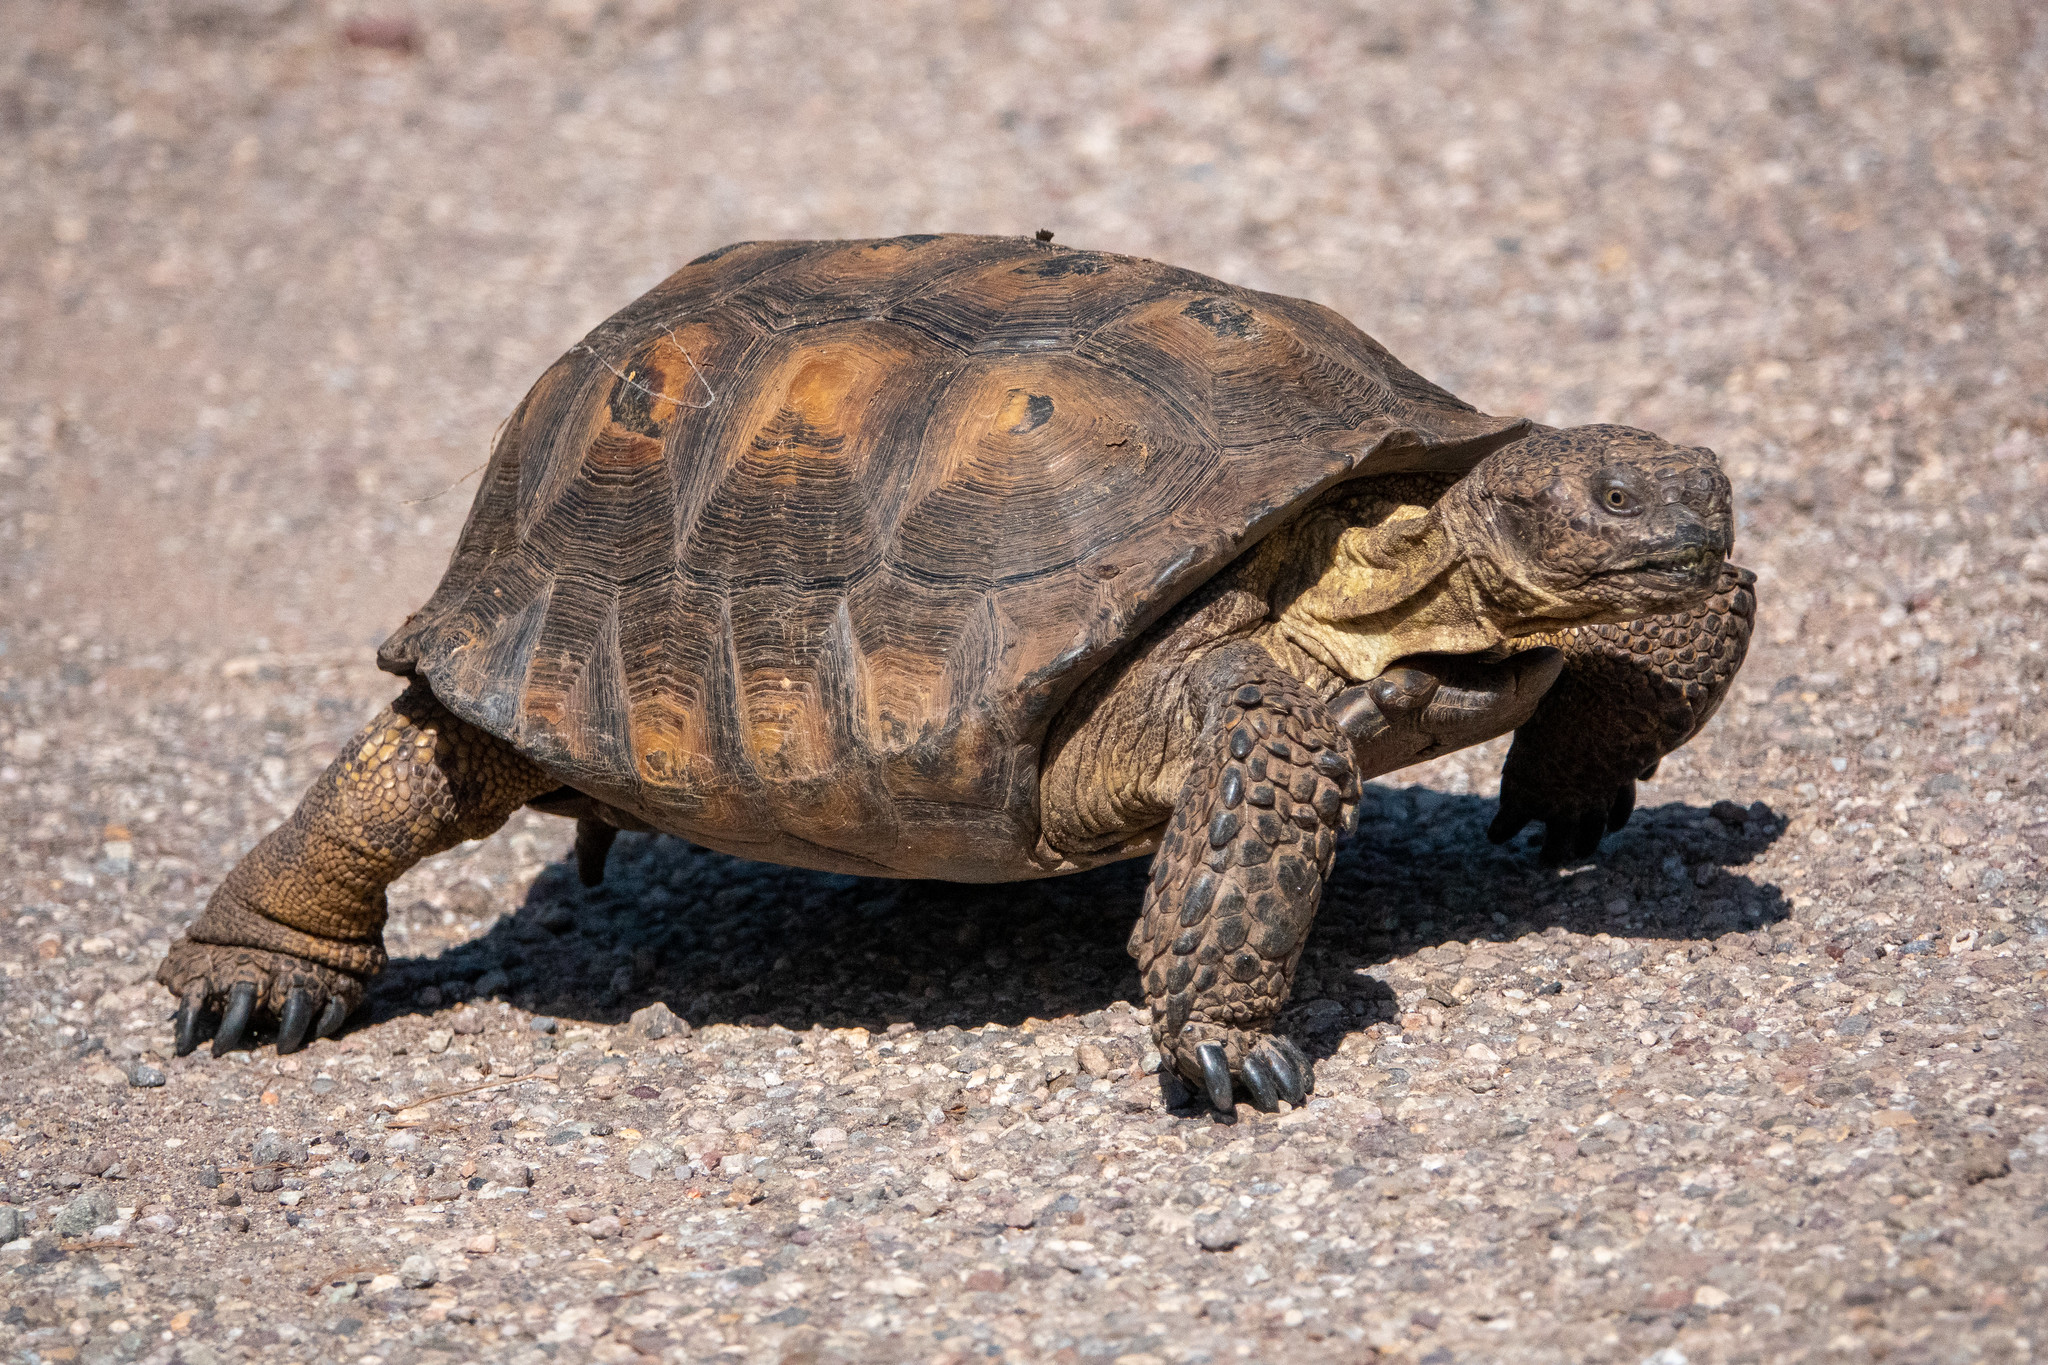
(1236, 881)
(296, 929)
(1630, 694)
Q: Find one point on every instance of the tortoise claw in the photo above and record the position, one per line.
(1286, 1072)
(1216, 1076)
(1261, 1082)
(235, 1021)
(1623, 806)
(1512, 818)
(293, 1024)
(1304, 1069)
(187, 1031)
(330, 1018)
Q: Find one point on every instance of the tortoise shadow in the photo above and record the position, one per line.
(723, 940)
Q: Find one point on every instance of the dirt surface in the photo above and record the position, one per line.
(1766, 1082)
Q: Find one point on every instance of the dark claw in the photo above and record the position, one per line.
(235, 1022)
(1216, 1076)
(1303, 1068)
(187, 1030)
(1623, 807)
(1173, 1091)
(293, 1023)
(1258, 1079)
(1286, 1073)
(1511, 819)
(1357, 714)
(593, 846)
(330, 1018)
(1400, 690)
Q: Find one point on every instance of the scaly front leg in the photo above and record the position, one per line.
(295, 932)
(1236, 881)
(1630, 694)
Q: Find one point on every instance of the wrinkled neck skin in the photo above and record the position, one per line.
(1406, 578)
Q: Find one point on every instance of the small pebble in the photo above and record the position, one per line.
(88, 1211)
(143, 1076)
(418, 1271)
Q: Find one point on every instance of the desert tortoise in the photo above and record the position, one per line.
(980, 558)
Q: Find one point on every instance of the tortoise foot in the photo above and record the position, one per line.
(230, 993)
(1261, 1069)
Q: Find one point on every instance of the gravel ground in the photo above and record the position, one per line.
(1767, 1082)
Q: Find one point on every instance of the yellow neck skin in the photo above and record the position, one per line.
(1390, 590)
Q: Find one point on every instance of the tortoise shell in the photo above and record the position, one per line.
(799, 554)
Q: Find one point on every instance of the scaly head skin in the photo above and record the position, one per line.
(1595, 523)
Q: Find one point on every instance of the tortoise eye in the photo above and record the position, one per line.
(1618, 500)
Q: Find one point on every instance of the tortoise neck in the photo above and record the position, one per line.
(1400, 578)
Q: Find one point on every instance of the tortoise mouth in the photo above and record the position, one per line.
(1682, 565)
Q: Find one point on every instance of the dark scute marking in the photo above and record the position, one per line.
(1267, 825)
(1178, 976)
(1200, 897)
(1249, 696)
(1230, 933)
(1241, 741)
(1245, 966)
(1332, 765)
(1205, 978)
(1187, 942)
(1220, 316)
(1251, 852)
(1262, 795)
(1233, 789)
(632, 403)
(713, 255)
(1221, 827)
(1068, 263)
(1037, 412)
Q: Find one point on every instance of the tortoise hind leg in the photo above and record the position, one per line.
(295, 931)
(593, 848)
(1236, 881)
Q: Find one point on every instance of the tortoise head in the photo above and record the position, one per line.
(1599, 522)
